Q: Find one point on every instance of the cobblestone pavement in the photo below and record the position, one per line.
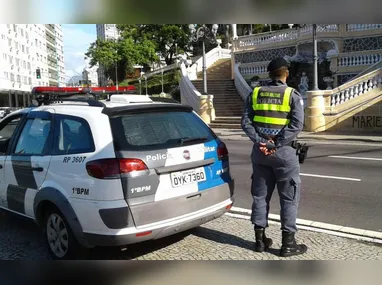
(226, 238)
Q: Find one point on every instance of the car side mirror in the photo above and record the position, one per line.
(4, 145)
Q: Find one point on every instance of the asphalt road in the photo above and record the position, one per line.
(351, 197)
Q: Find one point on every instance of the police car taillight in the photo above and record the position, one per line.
(110, 168)
(222, 151)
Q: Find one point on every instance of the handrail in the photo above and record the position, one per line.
(188, 92)
(241, 85)
(211, 57)
(371, 68)
(356, 87)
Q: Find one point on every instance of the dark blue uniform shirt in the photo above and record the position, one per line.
(289, 133)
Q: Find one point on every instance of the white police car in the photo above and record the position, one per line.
(112, 173)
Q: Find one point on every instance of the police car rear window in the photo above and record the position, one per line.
(153, 131)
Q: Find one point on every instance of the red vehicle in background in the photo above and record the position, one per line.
(42, 93)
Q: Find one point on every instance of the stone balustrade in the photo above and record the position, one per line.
(202, 104)
(265, 38)
(246, 42)
(241, 85)
(336, 110)
(292, 36)
(308, 29)
(362, 27)
(359, 58)
(356, 88)
(253, 68)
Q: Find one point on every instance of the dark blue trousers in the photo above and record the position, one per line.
(280, 169)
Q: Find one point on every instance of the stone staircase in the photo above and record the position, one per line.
(228, 103)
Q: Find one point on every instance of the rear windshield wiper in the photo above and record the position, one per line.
(188, 140)
(182, 141)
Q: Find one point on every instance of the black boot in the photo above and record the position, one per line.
(290, 247)
(262, 242)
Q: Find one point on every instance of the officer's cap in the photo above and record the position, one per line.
(277, 63)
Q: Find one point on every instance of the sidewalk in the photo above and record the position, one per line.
(226, 238)
(228, 134)
(229, 238)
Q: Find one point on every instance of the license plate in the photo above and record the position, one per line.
(187, 177)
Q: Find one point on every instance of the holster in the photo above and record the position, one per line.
(301, 151)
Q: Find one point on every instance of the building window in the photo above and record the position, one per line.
(27, 35)
(23, 48)
(22, 32)
(25, 80)
(24, 64)
(6, 75)
(15, 28)
(9, 42)
(12, 77)
(10, 59)
(27, 50)
(5, 57)
(17, 62)
(30, 81)
(29, 65)
(18, 79)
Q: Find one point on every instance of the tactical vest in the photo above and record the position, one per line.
(271, 105)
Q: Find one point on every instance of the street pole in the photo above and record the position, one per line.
(116, 74)
(204, 68)
(204, 34)
(146, 84)
(162, 81)
(116, 59)
(315, 58)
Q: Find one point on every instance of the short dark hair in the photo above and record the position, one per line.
(278, 73)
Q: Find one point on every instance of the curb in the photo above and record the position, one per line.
(352, 139)
(347, 232)
(302, 138)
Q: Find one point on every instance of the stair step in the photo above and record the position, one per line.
(222, 118)
(227, 113)
(227, 122)
(225, 126)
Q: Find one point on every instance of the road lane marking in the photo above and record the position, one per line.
(338, 230)
(355, 157)
(330, 177)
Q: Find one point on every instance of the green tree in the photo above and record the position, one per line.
(125, 53)
(168, 40)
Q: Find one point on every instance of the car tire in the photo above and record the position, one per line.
(62, 243)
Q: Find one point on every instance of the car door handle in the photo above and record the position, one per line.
(39, 169)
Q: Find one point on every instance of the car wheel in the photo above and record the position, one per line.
(62, 244)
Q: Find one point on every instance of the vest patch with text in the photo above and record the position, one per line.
(271, 105)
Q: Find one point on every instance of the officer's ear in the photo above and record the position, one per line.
(287, 73)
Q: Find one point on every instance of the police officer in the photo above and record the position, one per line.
(273, 117)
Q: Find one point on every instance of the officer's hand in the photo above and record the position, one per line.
(267, 148)
(273, 149)
(263, 148)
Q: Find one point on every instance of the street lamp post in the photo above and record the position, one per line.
(145, 77)
(315, 56)
(162, 82)
(205, 35)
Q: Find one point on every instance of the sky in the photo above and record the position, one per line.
(77, 39)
